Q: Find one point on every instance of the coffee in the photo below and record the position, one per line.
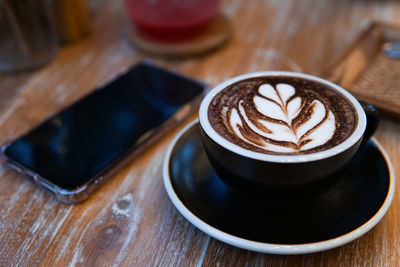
(282, 115)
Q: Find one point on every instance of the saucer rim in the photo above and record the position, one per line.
(273, 248)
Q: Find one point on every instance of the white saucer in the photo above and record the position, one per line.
(347, 211)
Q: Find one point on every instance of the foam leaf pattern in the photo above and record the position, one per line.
(287, 123)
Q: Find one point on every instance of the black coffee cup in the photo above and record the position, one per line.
(251, 171)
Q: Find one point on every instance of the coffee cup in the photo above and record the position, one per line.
(275, 130)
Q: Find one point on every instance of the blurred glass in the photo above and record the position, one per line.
(171, 20)
(27, 34)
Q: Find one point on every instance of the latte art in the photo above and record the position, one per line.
(284, 126)
(281, 116)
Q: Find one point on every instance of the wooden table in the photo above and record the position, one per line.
(35, 229)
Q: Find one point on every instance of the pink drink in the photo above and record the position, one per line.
(171, 20)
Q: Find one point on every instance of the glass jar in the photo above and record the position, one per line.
(27, 34)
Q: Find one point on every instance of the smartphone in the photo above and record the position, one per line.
(73, 152)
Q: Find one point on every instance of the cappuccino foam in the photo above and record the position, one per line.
(282, 115)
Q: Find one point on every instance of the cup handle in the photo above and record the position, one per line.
(373, 119)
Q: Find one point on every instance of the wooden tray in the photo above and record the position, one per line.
(367, 72)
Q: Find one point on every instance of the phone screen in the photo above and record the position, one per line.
(80, 141)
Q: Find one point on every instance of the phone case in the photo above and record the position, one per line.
(83, 192)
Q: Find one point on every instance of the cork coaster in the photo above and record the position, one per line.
(214, 35)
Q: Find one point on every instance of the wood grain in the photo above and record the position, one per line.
(130, 221)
